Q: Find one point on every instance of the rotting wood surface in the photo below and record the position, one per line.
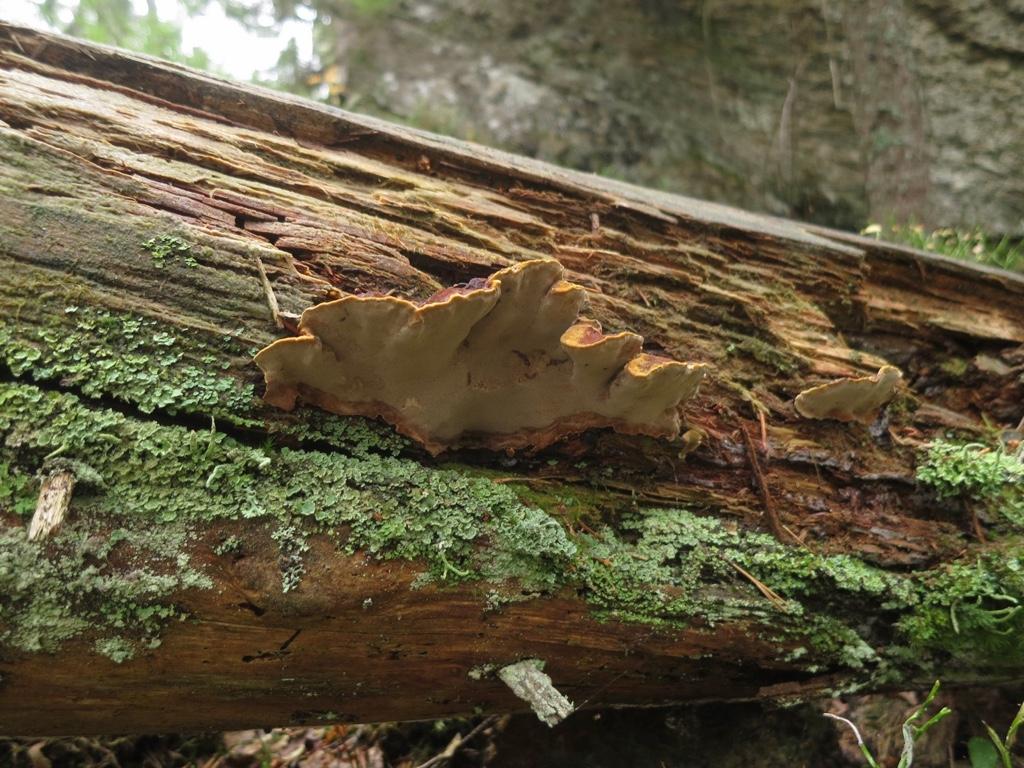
(140, 203)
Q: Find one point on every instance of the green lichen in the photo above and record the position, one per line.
(990, 479)
(157, 367)
(669, 567)
(169, 478)
(973, 611)
(117, 649)
(171, 249)
(675, 569)
(50, 595)
(292, 545)
(230, 545)
(132, 358)
(119, 565)
(18, 490)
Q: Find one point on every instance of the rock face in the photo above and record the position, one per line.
(835, 111)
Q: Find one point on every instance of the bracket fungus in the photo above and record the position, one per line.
(851, 399)
(502, 363)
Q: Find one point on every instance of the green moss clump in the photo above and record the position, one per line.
(766, 354)
(972, 612)
(134, 359)
(170, 249)
(969, 470)
(18, 490)
(992, 479)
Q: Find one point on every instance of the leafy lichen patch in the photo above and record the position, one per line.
(528, 681)
(158, 367)
(51, 595)
(170, 249)
(664, 568)
(157, 478)
(671, 568)
(132, 358)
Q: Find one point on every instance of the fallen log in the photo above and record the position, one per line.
(211, 561)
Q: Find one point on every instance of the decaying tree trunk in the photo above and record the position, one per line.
(209, 561)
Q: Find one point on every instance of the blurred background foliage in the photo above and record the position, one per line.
(118, 22)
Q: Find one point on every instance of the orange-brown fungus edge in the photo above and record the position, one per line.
(503, 363)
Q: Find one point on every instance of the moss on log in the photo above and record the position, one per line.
(227, 564)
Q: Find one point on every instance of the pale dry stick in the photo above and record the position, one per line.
(268, 290)
(53, 504)
(763, 588)
(860, 741)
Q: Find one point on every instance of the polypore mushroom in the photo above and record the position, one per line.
(501, 363)
(851, 399)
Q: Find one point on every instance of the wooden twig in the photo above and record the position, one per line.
(763, 588)
(976, 525)
(771, 516)
(457, 742)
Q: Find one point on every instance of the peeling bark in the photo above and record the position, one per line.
(231, 565)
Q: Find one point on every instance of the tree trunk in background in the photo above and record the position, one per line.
(835, 111)
(226, 564)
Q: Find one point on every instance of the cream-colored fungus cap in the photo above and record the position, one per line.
(501, 363)
(851, 399)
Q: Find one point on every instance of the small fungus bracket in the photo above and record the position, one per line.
(850, 399)
(527, 680)
(502, 363)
